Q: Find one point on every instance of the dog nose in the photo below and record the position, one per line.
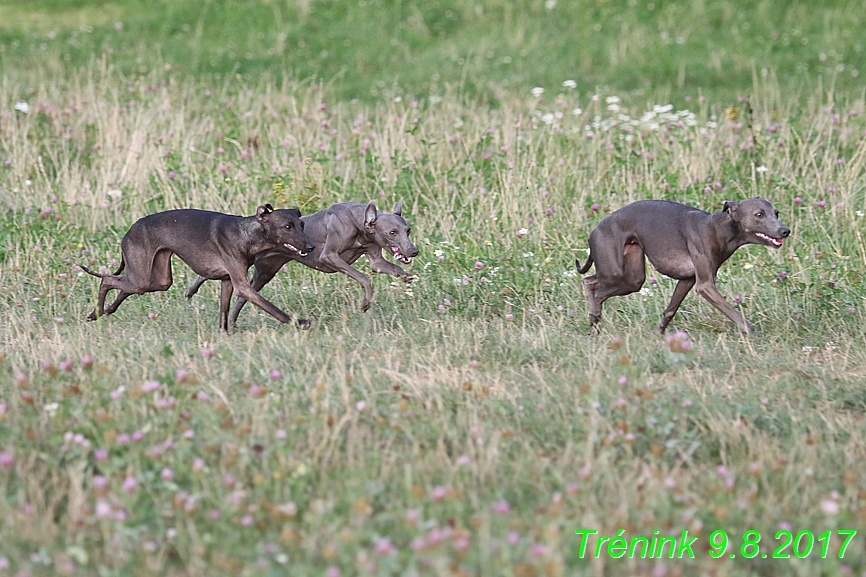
(414, 252)
(310, 247)
(785, 232)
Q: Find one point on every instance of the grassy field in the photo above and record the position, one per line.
(466, 424)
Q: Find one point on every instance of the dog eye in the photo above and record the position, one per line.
(408, 231)
(393, 233)
(289, 226)
(760, 215)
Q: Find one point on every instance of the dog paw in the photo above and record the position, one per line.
(304, 324)
(92, 316)
(365, 306)
(409, 278)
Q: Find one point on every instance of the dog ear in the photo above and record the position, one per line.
(398, 208)
(295, 211)
(730, 206)
(370, 214)
(262, 210)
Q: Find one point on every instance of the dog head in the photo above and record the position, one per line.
(758, 221)
(390, 231)
(284, 228)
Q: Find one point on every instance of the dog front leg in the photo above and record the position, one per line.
(683, 288)
(380, 265)
(715, 298)
(261, 277)
(339, 265)
(226, 290)
(244, 290)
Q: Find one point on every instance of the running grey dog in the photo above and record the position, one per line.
(681, 242)
(215, 245)
(342, 233)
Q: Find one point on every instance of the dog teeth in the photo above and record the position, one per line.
(290, 247)
(774, 241)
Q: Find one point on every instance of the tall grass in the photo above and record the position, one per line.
(372, 49)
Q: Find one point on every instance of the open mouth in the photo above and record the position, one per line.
(400, 256)
(777, 242)
(293, 249)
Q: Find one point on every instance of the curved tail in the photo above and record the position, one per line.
(100, 275)
(584, 268)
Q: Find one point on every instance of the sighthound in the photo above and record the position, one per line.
(215, 245)
(342, 233)
(681, 242)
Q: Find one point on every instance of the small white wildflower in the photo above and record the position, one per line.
(537, 91)
(577, 111)
(661, 109)
(22, 106)
(115, 194)
(858, 212)
(550, 4)
(646, 292)
(569, 84)
(612, 99)
(761, 169)
(547, 118)
(748, 265)
(522, 232)
(613, 107)
(434, 99)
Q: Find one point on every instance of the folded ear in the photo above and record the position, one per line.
(370, 214)
(262, 211)
(731, 206)
(398, 208)
(295, 211)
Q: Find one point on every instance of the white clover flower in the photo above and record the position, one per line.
(115, 194)
(858, 212)
(577, 111)
(569, 84)
(612, 99)
(537, 91)
(547, 118)
(660, 109)
(613, 107)
(761, 169)
(22, 106)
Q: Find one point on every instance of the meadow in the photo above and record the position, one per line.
(466, 424)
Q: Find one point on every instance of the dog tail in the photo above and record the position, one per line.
(582, 270)
(88, 271)
(100, 275)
